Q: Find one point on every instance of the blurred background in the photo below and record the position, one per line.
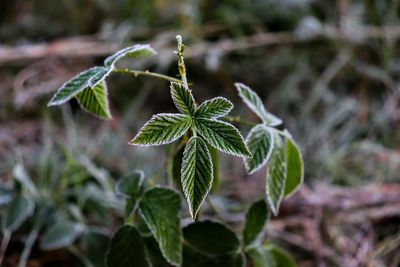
(329, 69)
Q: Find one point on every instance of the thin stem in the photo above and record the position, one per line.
(181, 62)
(147, 73)
(28, 245)
(80, 256)
(238, 120)
(4, 245)
(249, 123)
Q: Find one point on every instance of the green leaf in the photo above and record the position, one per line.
(129, 52)
(211, 238)
(256, 218)
(260, 143)
(87, 79)
(95, 243)
(130, 186)
(222, 136)
(127, 248)
(20, 208)
(61, 234)
(20, 175)
(160, 208)
(162, 129)
(95, 100)
(276, 175)
(262, 257)
(196, 173)
(253, 101)
(294, 167)
(183, 99)
(214, 108)
(281, 257)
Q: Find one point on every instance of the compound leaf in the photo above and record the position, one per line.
(95, 100)
(253, 101)
(129, 52)
(60, 235)
(211, 237)
(276, 175)
(214, 108)
(159, 208)
(196, 173)
(183, 99)
(127, 248)
(20, 208)
(222, 136)
(294, 167)
(260, 143)
(256, 218)
(86, 79)
(162, 129)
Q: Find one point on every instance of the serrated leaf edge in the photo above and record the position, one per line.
(213, 99)
(194, 215)
(175, 100)
(151, 119)
(274, 210)
(240, 136)
(269, 152)
(108, 116)
(86, 85)
(121, 53)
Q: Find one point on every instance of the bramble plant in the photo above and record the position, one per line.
(152, 235)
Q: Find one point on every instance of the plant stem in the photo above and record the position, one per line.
(238, 120)
(28, 245)
(4, 245)
(147, 73)
(80, 256)
(181, 62)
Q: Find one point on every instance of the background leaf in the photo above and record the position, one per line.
(253, 101)
(281, 257)
(223, 136)
(214, 108)
(160, 208)
(262, 257)
(294, 167)
(183, 99)
(260, 143)
(127, 249)
(196, 174)
(161, 129)
(129, 52)
(131, 185)
(95, 245)
(85, 79)
(95, 100)
(61, 234)
(276, 175)
(211, 237)
(18, 210)
(256, 218)
(20, 175)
